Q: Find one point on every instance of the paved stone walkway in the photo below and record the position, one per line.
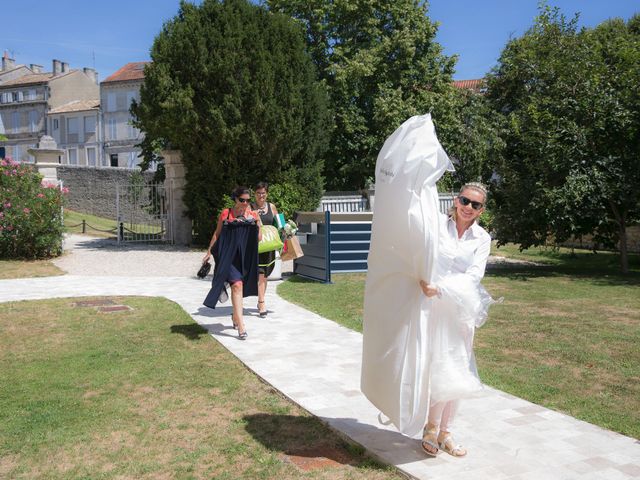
(316, 363)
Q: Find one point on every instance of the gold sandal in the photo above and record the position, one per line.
(430, 440)
(451, 448)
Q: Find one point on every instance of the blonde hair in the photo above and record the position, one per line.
(478, 187)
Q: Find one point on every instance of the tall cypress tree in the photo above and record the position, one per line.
(232, 87)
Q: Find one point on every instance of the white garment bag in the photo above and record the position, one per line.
(404, 242)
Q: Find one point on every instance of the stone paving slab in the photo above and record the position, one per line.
(316, 363)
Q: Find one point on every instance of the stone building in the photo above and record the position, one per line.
(120, 136)
(26, 100)
(77, 128)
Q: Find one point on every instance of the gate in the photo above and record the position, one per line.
(143, 213)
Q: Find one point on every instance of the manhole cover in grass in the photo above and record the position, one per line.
(318, 458)
(114, 308)
(94, 303)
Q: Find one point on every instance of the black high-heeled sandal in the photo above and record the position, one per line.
(243, 335)
(263, 314)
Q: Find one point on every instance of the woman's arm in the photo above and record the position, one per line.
(480, 257)
(259, 223)
(214, 238)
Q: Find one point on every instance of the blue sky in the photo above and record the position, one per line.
(108, 34)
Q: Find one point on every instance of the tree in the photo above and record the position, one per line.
(232, 87)
(381, 64)
(572, 132)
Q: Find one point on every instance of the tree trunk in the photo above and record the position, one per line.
(621, 218)
(624, 257)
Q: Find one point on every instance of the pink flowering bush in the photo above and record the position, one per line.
(30, 213)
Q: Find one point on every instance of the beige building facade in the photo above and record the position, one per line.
(77, 129)
(120, 136)
(26, 100)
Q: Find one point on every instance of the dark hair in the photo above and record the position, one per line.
(239, 191)
(260, 185)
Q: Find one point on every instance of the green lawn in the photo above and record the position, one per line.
(104, 227)
(563, 338)
(145, 394)
(95, 226)
(27, 268)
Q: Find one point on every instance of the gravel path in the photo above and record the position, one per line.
(92, 256)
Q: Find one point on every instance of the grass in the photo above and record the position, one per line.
(105, 227)
(145, 394)
(27, 269)
(568, 259)
(566, 336)
(73, 223)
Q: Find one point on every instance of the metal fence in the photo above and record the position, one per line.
(142, 213)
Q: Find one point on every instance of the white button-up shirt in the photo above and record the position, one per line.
(467, 254)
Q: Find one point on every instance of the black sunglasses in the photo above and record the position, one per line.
(244, 200)
(465, 201)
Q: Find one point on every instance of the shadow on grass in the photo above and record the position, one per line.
(307, 436)
(597, 276)
(192, 331)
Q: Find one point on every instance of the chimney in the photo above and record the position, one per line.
(35, 68)
(7, 63)
(65, 67)
(91, 73)
(57, 67)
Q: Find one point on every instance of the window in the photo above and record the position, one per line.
(15, 122)
(72, 156)
(56, 124)
(31, 94)
(17, 153)
(89, 125)
(133, 160)
(131, 96)
(33, 121)
(113, 129)
(91, 156)
(111, 102)
(131, 130)
(20, 96)
(4, 98)
(114, 159)
(72, 130)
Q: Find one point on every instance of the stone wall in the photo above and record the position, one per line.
(93, 190)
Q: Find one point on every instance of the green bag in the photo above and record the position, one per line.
(270, 239)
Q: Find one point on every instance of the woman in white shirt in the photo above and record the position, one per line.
(458, 305)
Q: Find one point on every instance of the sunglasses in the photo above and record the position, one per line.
(244, 200)
(465, 201)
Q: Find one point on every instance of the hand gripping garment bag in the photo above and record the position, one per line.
(404, 242)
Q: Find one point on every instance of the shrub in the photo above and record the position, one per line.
(30, 213)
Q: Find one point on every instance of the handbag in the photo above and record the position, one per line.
(292, 249)
(204, 270)
(270, 239)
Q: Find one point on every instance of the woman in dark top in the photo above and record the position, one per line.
(236, 266)
(266, 261)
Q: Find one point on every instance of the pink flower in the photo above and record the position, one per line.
(40, 195)
(1, 214)
(26, 210)
(7, 205)
(10, 227)
(14, 171)
(3, 162)
(65, 190)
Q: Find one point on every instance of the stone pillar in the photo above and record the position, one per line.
(180, 225)
(47, 155)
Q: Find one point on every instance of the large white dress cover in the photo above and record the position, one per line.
(401, 340)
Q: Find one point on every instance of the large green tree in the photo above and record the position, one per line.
(381, 64)
(569, 99)
(232, 87)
